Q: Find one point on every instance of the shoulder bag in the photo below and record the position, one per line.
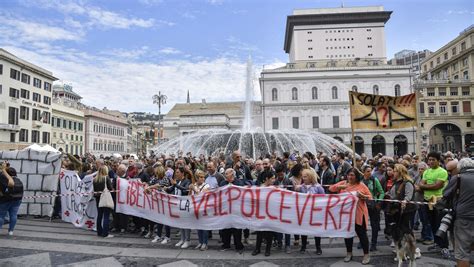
(106, 200)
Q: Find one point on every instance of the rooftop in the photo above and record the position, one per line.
(4, 54)
(231, 109)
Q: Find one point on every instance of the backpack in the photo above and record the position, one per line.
(13, 193)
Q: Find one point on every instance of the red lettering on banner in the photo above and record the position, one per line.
(271, 217)
(329, 206)
(214, 204)
(282, 206)
(119, 193)
(133, 190)
(171, 203)
(232, 199)
(300, 213)
(198, 206)
(314, 209)
(146, 199)
(252, 203)
(155, 200)
(352, 200)
(139, 185)
(257, 211)
(221, 213)
(162, 199)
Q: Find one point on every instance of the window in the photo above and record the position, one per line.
(422, 108)
(369, 38)
(294, 93)
(354, 88)
(334, 92)
(25, 78)
(36, 97)
(58, 122)
(397, 90)
(23, 135)
(13, 137)
(425, 68)
(36, 114)
(24, 113)
(442, 91)
(47, 86)
(310, 40)
(46, 117)
(311, 32)
(70, 125)
(314, 93)
(375, 89)
(14, 74)
(466, 106)
(456, 77)
(438, 60)
(14, 93)
(442, 108)
(453, 51)
(1, 69)
(35, 136)
(315, 122)
(464, 62)
(463, 46)
(75, 126)
(446, 56)
(453, 91)
(310, 56)
(335, 121)
(455, 107)
(25, 94)
(64, 123)
(310, 48)
(36, 82)
(47, 100)
(12, 116)
(465, 91)
(431, 108)
(468, 124)
(80, 126)
(455, 66)
(296, 122)
(430, 92)
(465, 75)
(274, 94)
(431, 64)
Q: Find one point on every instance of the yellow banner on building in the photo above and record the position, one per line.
(382, 112)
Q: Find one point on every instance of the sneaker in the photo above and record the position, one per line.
(319, 251)
(179, 243)
(122, 231)
(392, 244)
(185, 245)
(420, 240)
(366, 260)
(445, 253)
(109, 236)
(417, 253)
(199, 246)
(156, 239)
(10, 233)
(427, 242)
(148, 235)
(247, 241)
(203, 247)
(165, 241)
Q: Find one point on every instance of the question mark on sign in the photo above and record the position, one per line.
(384, 116)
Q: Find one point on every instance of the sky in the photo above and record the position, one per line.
(119, 53)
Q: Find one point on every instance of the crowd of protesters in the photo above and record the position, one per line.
(430, 177)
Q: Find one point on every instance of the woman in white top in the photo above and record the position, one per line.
(197, 188)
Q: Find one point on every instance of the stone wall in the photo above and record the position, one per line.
(39, 172)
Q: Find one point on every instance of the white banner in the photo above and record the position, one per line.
(78, 205)
(255, 208)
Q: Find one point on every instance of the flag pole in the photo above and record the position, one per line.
(351, 102)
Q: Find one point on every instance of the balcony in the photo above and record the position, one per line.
(9, 127)
(420, 84)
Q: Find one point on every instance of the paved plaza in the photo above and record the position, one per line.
(38, 242)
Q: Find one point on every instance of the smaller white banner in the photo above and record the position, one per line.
(78, 204)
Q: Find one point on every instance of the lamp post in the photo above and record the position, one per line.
(159, 99)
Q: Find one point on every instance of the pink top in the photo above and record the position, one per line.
(362, 210)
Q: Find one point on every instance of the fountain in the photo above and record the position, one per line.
(251, 142)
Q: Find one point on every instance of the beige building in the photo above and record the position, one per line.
(446, 97)
(25, 103)
(68, 120)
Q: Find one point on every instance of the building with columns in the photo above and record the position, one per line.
(446, 101)
(332, 51)
(25, 103)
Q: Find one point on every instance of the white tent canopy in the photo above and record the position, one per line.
(46, 148)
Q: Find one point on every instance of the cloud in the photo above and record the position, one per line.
(459, 12)
(94, 16)
(151, 2)
(169, 51)
(13, 29)
(216, 2)
(108, 81)
(236, 44)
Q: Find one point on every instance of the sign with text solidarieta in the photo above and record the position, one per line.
(77, 200)
(382, 112)
(256, 208)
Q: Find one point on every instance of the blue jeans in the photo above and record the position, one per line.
(12, 208)
(167, 230)
(426, 232)
(202, 235)
(279, 238)
(103, 219)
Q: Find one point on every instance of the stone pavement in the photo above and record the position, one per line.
(38, 242)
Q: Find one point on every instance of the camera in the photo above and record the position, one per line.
(445, 224)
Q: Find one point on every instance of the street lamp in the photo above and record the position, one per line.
(159, 99)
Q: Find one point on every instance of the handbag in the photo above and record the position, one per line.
(106, 200)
